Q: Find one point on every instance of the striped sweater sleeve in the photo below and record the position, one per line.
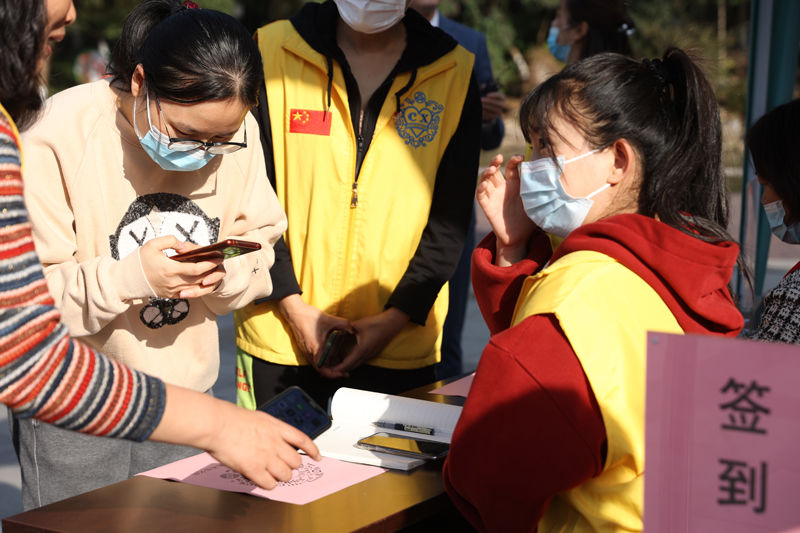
(44, 373)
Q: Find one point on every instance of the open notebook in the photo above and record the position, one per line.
(355, 413)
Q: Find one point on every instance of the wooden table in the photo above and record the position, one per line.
(387, 502)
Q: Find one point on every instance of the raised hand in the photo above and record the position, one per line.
(499, 199)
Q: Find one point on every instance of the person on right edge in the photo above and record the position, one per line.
(627, 168)
(772, 142)
(370, 120)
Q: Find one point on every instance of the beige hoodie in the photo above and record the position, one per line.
(95, 197)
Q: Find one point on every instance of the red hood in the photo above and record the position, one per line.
(690, 275)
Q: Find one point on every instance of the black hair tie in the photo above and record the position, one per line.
(659, 69)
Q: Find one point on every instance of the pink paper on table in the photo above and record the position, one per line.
(313, 480)
(459, 387)
(721, 433)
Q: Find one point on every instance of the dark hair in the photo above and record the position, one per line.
(22, 25)
(609, 25)
(188, 55)
(773, 143)
(666, 109)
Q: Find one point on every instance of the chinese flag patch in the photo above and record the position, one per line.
(308, 121)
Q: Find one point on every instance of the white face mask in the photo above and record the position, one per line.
(545, 200)
(371, 16)
(775, 215)
(156, 145)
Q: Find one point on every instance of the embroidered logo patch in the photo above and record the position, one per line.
(418, 120)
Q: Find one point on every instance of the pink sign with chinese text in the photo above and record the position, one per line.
(722, 425)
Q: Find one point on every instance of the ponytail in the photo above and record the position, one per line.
(137, 26)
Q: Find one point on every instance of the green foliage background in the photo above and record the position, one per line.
(508, 24)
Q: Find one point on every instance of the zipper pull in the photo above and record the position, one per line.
(354, 199)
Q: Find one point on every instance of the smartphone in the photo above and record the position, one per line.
(295, 407)
(337, 345)
(490, 87)
(219, 250)
(405, 446)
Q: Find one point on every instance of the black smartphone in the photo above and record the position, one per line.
(219, 250)
(295, 407)
(337, 345)
(490, 87)
(405, 446)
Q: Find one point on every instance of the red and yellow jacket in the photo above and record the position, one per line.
(552, 434)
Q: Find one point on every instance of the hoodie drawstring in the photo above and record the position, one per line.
(330, 81)
(404, 90)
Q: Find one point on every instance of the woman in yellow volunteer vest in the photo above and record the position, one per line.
(371, 126)
(626, 166)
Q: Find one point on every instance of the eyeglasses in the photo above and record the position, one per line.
(179, 144)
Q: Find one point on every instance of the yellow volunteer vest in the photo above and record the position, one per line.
(348, 260)
(605, 311)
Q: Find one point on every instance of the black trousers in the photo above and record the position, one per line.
(269, 379)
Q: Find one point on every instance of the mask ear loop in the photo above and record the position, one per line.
(587, 154)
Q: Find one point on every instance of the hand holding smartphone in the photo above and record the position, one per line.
(337, 345)
(219, 250)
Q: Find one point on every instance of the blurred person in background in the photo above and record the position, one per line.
(772, 142)
(582, 28)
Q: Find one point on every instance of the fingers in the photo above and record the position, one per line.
(197, 292)
(512, 167)
(260, 477)
(305, 443)
(185, 246)
(163, 243)
(332, 373)
(214, 277)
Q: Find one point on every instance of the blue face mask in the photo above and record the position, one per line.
(775, 215)
(559, 51)
(156, 144)
(545, 200)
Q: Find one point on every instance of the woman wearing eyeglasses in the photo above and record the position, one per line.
(121, 173)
